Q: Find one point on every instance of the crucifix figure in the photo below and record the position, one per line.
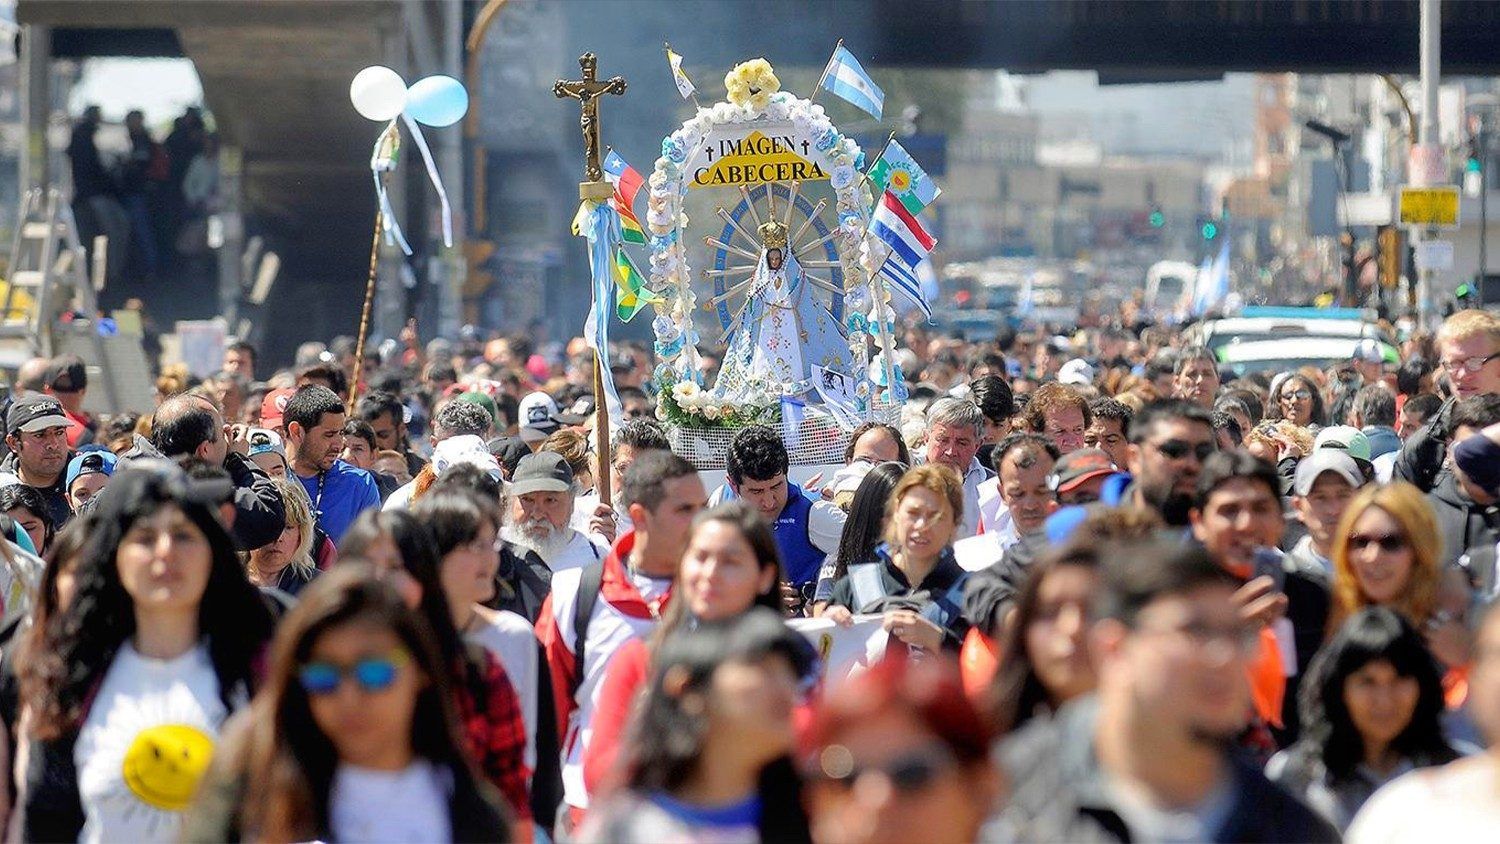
(587, 91)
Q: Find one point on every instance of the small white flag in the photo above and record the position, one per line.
(684, 84)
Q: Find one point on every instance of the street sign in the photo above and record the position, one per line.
(1434, 255)
(1436, 207)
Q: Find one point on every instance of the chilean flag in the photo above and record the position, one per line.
(896, 226)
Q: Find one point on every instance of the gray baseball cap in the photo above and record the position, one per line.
(545, 471)
(1335, 460)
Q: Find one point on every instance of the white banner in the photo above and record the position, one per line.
(845, 651)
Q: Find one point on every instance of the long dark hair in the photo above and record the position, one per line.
(20, 495)
(1274, 410)
(744, 518)
(79, 643)
(419, 556)
(865, 527)
(289, 763)
(1016, 693)
(666, 740)
(1371, 635)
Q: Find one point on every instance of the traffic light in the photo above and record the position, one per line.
(1209, 228)
(1388, 240)
(1157, 219)
(1463, 291)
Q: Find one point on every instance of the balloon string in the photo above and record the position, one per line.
(432, 175)
(383, 160)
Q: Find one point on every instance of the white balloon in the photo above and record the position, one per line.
(378, 93)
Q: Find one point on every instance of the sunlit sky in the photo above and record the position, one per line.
(161, 88)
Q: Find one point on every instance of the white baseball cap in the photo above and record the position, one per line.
(537, 414)
(1077, 372)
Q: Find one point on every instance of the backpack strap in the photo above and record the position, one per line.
(590, 581)
(946, 607)
(867, 584)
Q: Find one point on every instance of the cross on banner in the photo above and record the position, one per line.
(587, 91)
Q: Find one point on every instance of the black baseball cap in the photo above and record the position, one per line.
(545, 471)
(67, 374)
(31, 413)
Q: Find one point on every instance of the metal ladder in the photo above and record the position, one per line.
(49, 276)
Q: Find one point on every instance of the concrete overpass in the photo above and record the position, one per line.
(276, 77)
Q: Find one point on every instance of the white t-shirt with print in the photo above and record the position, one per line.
(145, 744)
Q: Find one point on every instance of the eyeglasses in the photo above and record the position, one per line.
(909, 772)
(1201, 633)
(373, 674)
(479, 546)
(1388, 542)
(1473, 364)
(1178, 449)
(1299, 395)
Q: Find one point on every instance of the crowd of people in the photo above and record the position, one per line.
(1123, 596)
(152, 198)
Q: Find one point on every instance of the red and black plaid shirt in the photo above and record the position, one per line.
(497, 734)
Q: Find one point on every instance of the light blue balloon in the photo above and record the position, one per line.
(437, 101)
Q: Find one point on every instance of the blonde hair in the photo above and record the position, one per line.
(1409, 508)
(941, 480)
(299, 511)
(1465, 324)
(573, 447)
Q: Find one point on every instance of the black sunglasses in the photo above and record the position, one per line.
(1178, 449)
(1389, 543)
(910, 772)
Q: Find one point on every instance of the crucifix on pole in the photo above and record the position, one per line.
(594, 188)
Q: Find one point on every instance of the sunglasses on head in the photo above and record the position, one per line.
(1178, 449)
(372, 674)
(909, 772)
(1388, 542)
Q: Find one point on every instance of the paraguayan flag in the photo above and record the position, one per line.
(846, 79)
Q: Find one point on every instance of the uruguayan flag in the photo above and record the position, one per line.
(903, 281)
(846, 79)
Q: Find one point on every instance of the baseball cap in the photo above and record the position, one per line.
(537, 414)
(1076, 371)
(273, 407)
(1369, 351)
(67, 374)
(578, 412)
(482, 400)
(1323, 460)
(33, 413)
(1345, 437)
(264, 440)
(1079, 466)
(465, 448)
(98, 462)
(545, 471)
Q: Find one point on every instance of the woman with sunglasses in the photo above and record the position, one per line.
(353, 737)
(129, 685)
(455, 572)
(1044, 662)
(1297, 400)
(1371, 710)
(899, 754)
(287, 564)
(864, 530)
(708, 757)
(730, 567)
(1385, 554)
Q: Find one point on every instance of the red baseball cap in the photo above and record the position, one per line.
(273, 407)
(1080, 466)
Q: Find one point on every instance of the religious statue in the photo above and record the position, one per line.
(782, 331)
(587, 91)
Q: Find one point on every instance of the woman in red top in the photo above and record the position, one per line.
(731, 565)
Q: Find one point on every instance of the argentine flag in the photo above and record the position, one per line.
(846, 79)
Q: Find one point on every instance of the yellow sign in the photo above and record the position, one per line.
(1437, 206)
(756, 159)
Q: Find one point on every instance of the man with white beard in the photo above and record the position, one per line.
(540, 508)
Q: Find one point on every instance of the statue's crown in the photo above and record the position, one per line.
(773, 235)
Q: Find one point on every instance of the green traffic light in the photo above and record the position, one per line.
(1158, 219)
(1471, 166)
(1463, 291)
(1210, 230)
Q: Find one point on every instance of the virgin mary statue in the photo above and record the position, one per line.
(782, 331)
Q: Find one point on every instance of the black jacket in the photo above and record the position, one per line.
(259, 515)
(992, 591)
(1462, 522)
(1424, 455)
(522, 582)
(1059, 792)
